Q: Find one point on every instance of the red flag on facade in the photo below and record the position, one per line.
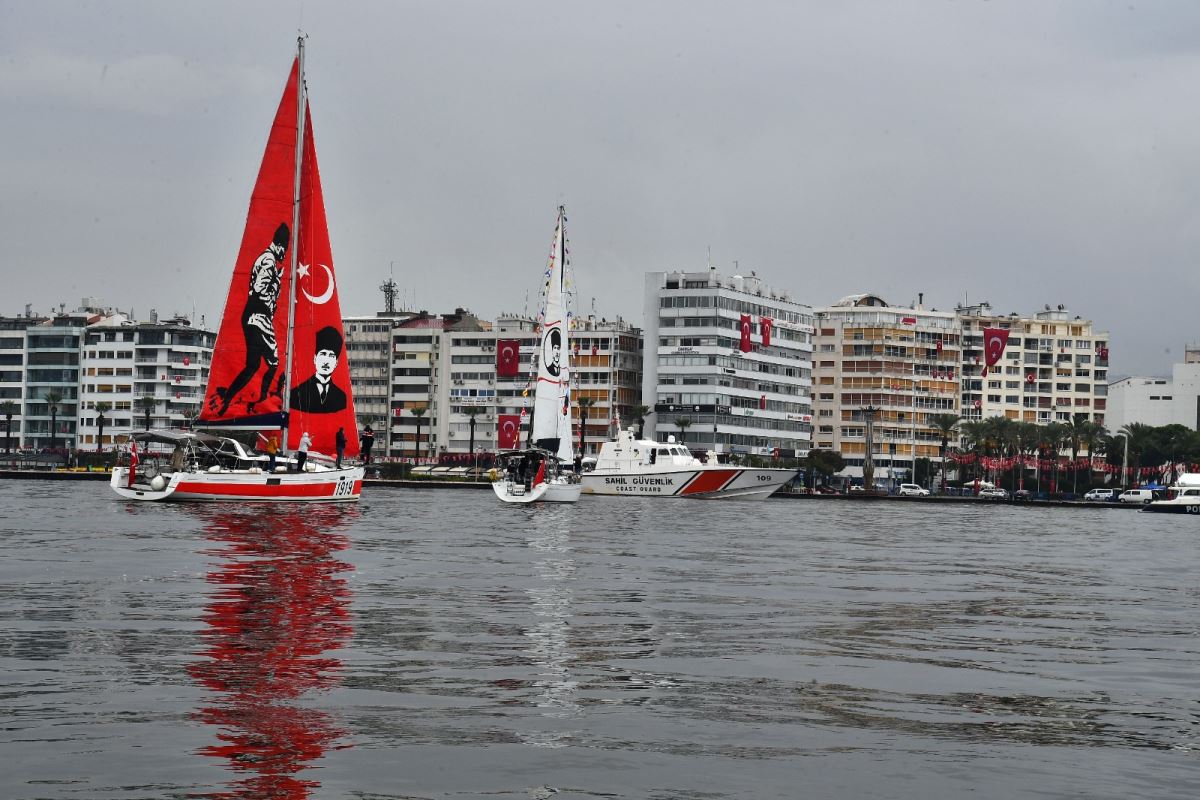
(762, 402)
(994, 341)
(508, 432)
(595, 349)
(508, 358)
(745, 325)
(765, 326)
(1030, 377)
(939, 345)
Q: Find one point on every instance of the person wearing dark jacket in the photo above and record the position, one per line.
(340, 441)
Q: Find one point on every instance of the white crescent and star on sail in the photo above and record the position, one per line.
(324, 297)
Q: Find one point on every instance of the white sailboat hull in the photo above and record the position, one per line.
(234, 485)
(552, 492)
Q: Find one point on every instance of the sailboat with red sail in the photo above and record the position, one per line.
(279, 366)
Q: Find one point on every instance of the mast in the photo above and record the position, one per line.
(294, 255)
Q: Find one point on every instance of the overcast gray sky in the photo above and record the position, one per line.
(1022, 153)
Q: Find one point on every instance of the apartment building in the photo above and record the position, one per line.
(728, 363)
(1054, 366)
(369, 350)
(155, 370)
(1157, 401)
(12, 374)
(899, 364)
(50, 407)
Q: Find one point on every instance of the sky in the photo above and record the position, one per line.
(1019, 153)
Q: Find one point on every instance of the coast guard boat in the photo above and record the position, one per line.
(631, 466)
(1183, 497)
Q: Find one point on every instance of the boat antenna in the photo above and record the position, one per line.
(301, 92)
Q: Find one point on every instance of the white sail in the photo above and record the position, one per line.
(552, 398)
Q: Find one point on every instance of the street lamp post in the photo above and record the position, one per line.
(868, 467)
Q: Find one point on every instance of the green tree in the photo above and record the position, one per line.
(471, 412)
(683, 423)
(640, 413)
(585, 403)
(53, 398)
(8, 408)
(146, 405)
(946, 426)
(823, 463)
(418, 413)
(101, 409)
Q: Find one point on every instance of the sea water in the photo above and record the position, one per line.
(440, 644)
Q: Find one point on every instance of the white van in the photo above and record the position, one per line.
(1136, 496)
(912, 490)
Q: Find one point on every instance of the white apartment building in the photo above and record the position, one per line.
(900, 364)
(52, 371)
(1158, 401)
(12, 375)
(1054, 366)
(697, 373)
(138, 370)
(369, 350)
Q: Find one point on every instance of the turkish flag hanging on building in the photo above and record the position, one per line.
(508, 358)
(994, 342)
(765, 326)
(747, 346)
(508, 432)
(762, 402)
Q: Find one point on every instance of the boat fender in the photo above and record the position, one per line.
(214, 468)
(492, 474)
(157, 483)
(255, 470)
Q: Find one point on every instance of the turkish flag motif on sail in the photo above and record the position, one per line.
(320, 400)
(994, 342)
(747, 346)
(765, 326)
(508, 358)
(508, 432)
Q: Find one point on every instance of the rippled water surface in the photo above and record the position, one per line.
(435, 644)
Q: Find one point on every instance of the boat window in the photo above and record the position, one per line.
(662, 451)
(1192, 492)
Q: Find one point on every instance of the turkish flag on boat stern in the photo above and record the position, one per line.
(508, 358)
(133, 462)
(746, 346)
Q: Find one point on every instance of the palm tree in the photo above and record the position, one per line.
(584, 404)
(946, 426)
(683, 423)
(640, 413)
(418, 413)
(101, 408)
(1025, 437)
(471, 412)
(8, 408)
(53, 398)
(146, 404)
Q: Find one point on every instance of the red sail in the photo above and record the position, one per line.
(245, 387)
(320, 401)
(508, 358)
(508, 432)
(746, 345)
(245, 381)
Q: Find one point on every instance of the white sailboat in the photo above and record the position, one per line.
(538, 473)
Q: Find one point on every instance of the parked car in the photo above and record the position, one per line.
(824, 489)
(912, 490)
(1100, 496)
(1022, 494)
(1136, 496)
(994, 493)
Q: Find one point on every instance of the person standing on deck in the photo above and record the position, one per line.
(302, 451)
(340, 441)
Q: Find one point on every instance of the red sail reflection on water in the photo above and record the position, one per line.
(279, 609)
